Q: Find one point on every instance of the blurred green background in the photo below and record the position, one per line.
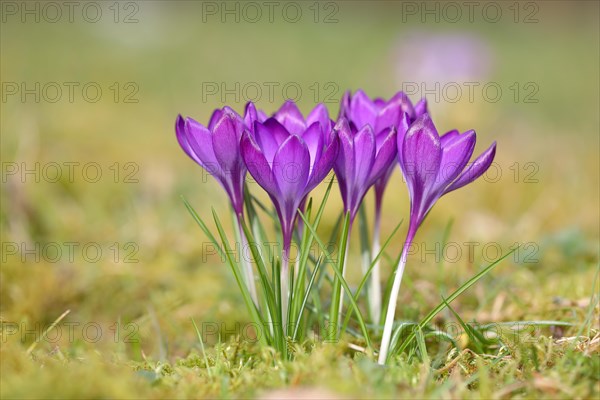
(155, 59)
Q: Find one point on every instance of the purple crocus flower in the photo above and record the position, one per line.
(362, 160)
(432, 167)
(360, 110)
(398, 112)
(288, 156)
(216, 148)
(290, 116)
(380, 114)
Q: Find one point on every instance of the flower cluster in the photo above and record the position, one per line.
(288, 155)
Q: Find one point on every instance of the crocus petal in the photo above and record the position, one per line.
(386, 154)
(251, 115)
(313, 137)
(422, 143)
(182, 138)
(379, 103)
(401, 130)
(225, 143)
(456, 153)
(389, 116)
(364, 157)
(291, 170)
(269, 136)
(402, 101)
(257, 164)
(345, 105)
(401, 133)
(321, 115)
(200, 140)
(421, 108)
(344, 164)
(231, 111)
(324, 164)
(449, 136)
(329, 136)
(238, 121)
(421, 158)
(216, 115)
(262, 116)
(475, 169)
(291, 118)
(362, 109)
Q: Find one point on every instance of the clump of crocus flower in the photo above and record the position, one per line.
(288, 155)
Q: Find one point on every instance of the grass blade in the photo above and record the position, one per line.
(453, 297)
(307, 241)
(202, 347)
(468, 330)
(202, 225)
(237, 274)
(306, 294)
(43, 335)
(361, 321)
(337, 294)
(592, 306)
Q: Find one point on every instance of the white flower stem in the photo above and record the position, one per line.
(391, 310)
(375, 286)
(284, 283)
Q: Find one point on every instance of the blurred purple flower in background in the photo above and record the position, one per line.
(432, 167)
(425, 57)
